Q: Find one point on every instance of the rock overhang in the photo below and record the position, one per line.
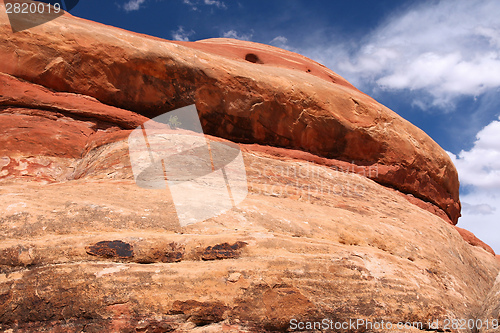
(245, 92)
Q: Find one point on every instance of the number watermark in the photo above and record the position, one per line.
(29, 14)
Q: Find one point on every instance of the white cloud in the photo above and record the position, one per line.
(480, 214)
(444, 49)
(234, 34)
(216, 3)
(194, 4)
(191, 4)
(280, 41)
(182, 35)
(480, 209)
(479, 169)
(480, 166)
(132, 5)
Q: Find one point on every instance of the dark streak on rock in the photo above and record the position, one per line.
(223, 251)
(111, 249)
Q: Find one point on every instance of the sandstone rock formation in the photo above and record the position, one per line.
(244, 92)
(44, 131)
(351, 250)
(83, 248)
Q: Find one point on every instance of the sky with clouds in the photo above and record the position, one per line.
(436, 63)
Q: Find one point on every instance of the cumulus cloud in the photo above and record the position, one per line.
(182, 35)
(443, 49)
(132, 5)
(481, 216)
(479, 170)
(234, 34)
(480, 209)
(480, 166)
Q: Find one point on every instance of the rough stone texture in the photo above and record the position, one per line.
(244, 92)
(491, 309)
(318, 244)
(83, 248)
(44, 133)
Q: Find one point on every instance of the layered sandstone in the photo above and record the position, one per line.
(245, 92)
(307, 243)
(83, 248)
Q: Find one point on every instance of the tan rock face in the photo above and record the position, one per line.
(103, 253)
(245, 92)
(83, 248)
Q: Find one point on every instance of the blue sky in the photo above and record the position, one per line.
(436, 63)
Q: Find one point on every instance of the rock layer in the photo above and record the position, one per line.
(93, 251)
(101, 253)
(245, 92)
(83, 248)
(44, 133)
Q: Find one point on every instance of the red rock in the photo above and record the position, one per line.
(17, 93)
(245, 92)
(315, 238)
(263, 54)
(470, 238)
(38, 126)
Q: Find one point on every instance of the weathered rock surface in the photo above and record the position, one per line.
(491, 309)
(106, 254)
(44, 133)
(244, 92)
(83, 248)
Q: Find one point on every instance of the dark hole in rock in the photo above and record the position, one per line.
(253, 58)
(111, 249)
